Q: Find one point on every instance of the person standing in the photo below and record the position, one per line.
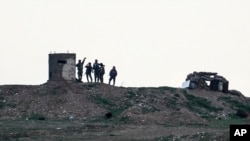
(96, 70)
(88, 71)
(102, 72)
(79, 66)
(112, 74)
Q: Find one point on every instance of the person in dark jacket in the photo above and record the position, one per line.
(96, 71)
(101, 72)
(112, 74)
(79, 66)
(88, 71)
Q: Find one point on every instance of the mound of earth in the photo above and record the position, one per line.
(145, 106)
(61, 100)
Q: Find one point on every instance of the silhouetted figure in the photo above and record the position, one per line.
(101, 72)
(112, 74)
(96, 71)
(88, 71)
(79, 66)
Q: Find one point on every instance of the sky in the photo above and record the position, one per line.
(151, 42)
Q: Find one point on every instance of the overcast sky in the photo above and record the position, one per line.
(151, 42)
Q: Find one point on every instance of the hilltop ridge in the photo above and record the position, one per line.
(102, 103)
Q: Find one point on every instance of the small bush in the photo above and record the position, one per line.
(117, 110)
(171, 89)
(242, 113)
(235, 103)
(1, 102)
(130, 94)
(111, 106)
(108, 115)
(36, 117)
(171, 102)
(124, 119)
(91, 85)
(11, 104)
(146, 110)
(177, 95)
(104, 101)
(195, 103)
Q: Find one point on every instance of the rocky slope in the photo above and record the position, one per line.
(99, 103)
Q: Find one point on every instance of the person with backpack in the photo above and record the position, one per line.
(96, 70)
(88, 71)
(102, 72)
(112, 74)
(79, 66)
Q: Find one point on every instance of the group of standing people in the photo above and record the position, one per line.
(98, 70)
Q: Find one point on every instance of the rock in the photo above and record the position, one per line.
(71, 117)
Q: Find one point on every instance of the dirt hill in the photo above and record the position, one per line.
(100, 111)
